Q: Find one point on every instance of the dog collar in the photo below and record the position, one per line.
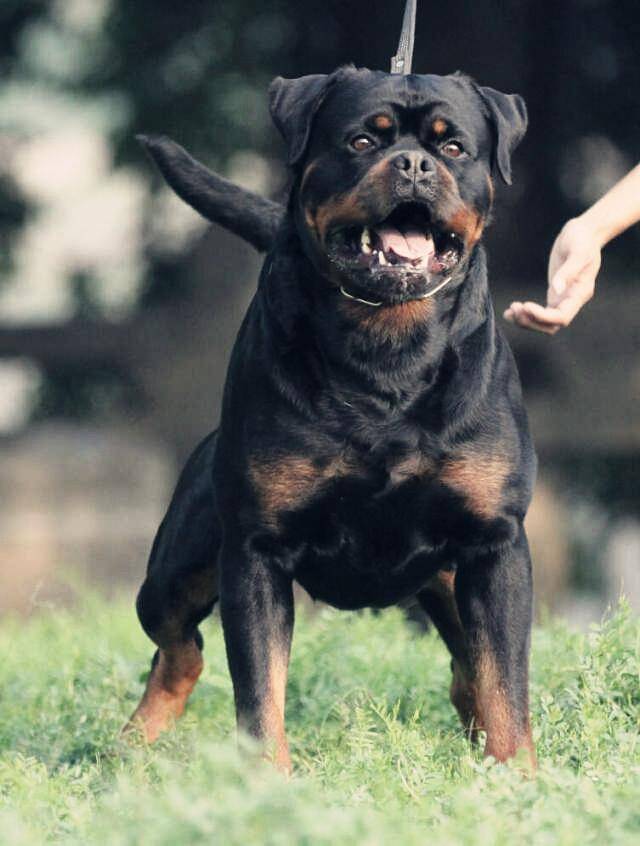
(349, 296)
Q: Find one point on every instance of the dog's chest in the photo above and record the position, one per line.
(358, 526)
(295, 483)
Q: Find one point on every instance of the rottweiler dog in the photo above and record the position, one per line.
(373, 444)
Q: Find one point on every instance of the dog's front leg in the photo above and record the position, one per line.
(256, 605)
(494, 597)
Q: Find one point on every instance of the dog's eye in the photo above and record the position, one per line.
(361, 143)
(453, 149)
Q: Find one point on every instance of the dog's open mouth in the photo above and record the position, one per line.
(405, 241)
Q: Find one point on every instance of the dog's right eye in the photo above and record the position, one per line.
(361, 143)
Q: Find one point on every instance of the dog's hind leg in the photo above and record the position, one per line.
(180, 590)
(439, 602)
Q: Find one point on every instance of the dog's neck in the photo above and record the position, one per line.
(392, 352)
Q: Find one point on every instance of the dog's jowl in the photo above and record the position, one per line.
(373, 445)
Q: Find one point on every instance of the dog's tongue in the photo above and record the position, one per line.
(409, 243)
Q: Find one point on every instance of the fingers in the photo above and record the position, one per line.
(558, 316)
(573, 267)
(550, 318)
(521, 315)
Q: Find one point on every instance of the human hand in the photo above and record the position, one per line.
(573, 266)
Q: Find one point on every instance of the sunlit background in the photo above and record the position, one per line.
(118, 304)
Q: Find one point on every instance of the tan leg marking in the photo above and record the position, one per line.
(462, 692)
(464, 699)
(168, 687)
(266, 722)
(496, 715)
(483, 705)
(273, 715)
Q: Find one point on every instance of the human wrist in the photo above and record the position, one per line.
(595, 224)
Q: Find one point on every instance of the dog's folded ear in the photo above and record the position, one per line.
(508, 116)
(293, 104)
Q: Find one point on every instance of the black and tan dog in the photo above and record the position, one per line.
(373, 445)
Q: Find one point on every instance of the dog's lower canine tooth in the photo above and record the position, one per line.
(365, 241)
(382, 258)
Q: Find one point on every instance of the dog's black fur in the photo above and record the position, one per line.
(369, 453)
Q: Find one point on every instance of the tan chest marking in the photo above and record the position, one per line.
(389, 323)
(287, 482)
(479, 478)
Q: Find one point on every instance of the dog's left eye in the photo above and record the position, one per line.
(361, 143)
(453, 149)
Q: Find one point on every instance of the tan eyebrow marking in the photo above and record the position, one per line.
(439, 127)
(382, 122)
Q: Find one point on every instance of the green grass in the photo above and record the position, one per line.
(378, 754)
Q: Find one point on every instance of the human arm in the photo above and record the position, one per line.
(576, 256)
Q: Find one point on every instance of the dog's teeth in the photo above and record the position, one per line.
(382, 258)
(365, 241)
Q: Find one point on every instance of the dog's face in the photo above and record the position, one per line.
(394, 174)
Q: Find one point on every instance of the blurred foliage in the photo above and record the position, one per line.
(198, 70)
(600, 490)
(13, 213)
(80, 392)
(611, 478)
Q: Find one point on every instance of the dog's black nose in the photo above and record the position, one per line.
(413, 163)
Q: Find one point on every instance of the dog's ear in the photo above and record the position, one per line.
(508, 116)
(293, 104)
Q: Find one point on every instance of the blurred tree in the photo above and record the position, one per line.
(198, 70)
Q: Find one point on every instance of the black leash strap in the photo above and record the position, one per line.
(401, 62)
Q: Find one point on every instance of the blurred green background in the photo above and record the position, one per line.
(118, 304)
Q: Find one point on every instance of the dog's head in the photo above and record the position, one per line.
(394, 174)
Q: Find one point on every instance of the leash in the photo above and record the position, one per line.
(401, 62)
